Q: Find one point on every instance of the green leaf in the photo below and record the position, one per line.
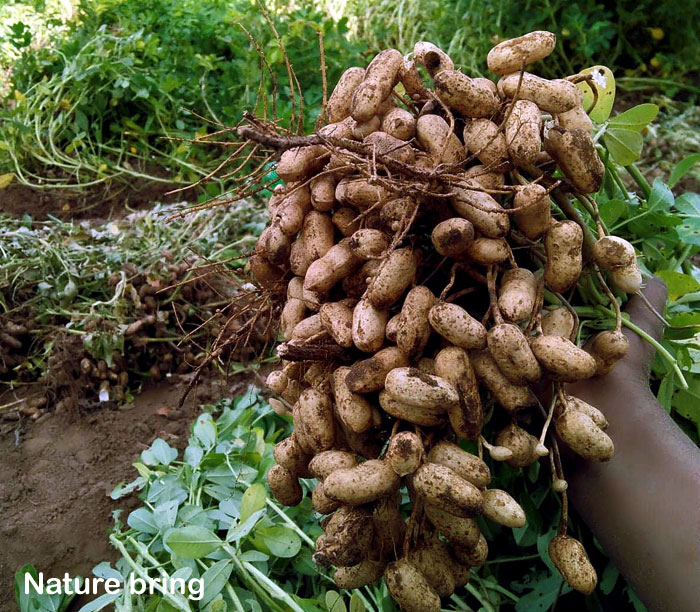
(682, 168)
(661, 197)
(688, 204)
(543, 594)
(356, 604)
(665, 394)
(525, 536)
(334, 602)
(636, 118)
(100, 602)
(654, 225)
(123, 489)
(611, 211)
(687, 404)
(605, 86)
(165, 606)
(609, 578)
(543, 541)
(164, 515)
(214, 580)
(254, 556)
(242, 529)
(681, 319)
(625, 146)
(689, 233)
(193, 455)
(143, 471)
(192, 542)
(205, 431)
(22, 597)
(253, 500)
(282, 541)
(142, 520)
(160, 453)
(678, 284)
(217, 606)
(638, 605)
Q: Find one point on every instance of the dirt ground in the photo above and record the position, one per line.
(103, 202)
(56, 475)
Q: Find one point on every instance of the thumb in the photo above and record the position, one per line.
(641, 352)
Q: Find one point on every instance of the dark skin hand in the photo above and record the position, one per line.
(644, 504)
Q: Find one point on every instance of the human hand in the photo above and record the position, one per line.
(642, 504)
(628, 383)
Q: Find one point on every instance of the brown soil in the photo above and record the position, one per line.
(56, 475)
(103, 202)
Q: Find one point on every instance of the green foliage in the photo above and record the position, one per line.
(105, 98)
(209, 515)
(623, 133)
(644, 38)
(30, 600)
(665, 229)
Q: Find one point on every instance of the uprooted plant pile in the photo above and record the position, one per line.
(94, 311)
(430, 245)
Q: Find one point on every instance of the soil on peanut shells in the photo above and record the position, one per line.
(56, 475)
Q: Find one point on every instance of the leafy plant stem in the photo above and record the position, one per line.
(292, 525)
(142, 573)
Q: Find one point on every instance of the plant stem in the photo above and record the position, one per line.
(234, 598)
(274, 588)
(461, 604)
(290, 523)
(512, 559)
(486, 604)
(652, 83)
(142, 573)
(677, 261)
(640, 179)
(657, 345)
(497, 587)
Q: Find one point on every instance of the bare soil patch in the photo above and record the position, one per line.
(56, 475)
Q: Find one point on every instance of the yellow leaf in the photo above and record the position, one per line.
(604, 82)
(19, 96)
(6, 179)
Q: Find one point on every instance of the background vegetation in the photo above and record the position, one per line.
(102, 90)
(114, 89)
